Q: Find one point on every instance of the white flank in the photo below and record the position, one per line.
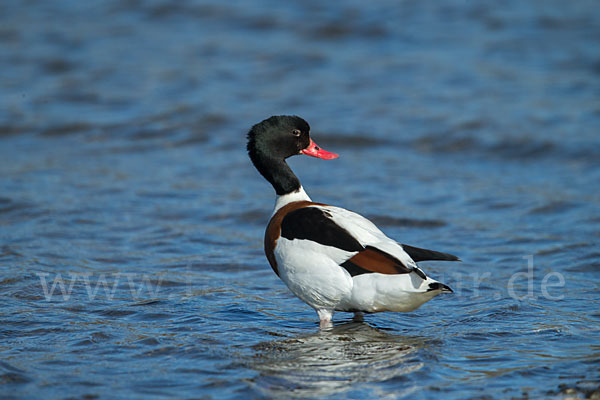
(312, 272)
(378, 292)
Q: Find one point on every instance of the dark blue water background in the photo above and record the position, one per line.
(466, 127)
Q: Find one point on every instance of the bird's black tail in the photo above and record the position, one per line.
(418, 254)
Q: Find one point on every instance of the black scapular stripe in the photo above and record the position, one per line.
(315, 224)
(418, 254)
(354, 269)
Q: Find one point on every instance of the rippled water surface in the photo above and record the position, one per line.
(131, 219)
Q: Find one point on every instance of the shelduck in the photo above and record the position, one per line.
(331, 258)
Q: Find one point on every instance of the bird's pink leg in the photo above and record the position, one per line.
(325, 318)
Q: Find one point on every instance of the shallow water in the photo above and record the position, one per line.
(131, 220)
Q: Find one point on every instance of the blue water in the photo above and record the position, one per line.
(131, 219)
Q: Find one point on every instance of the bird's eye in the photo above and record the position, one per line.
(296, 132)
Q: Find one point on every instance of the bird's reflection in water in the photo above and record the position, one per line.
(332, 361)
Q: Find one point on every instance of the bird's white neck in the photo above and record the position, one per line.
(298, 195)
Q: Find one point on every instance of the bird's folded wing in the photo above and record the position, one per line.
(370, 250)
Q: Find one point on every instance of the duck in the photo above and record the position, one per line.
(333, 259)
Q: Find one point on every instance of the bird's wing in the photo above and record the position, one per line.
(369, 235)
(365, 248)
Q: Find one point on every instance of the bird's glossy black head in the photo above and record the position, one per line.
(278, 137)
(273, 140)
